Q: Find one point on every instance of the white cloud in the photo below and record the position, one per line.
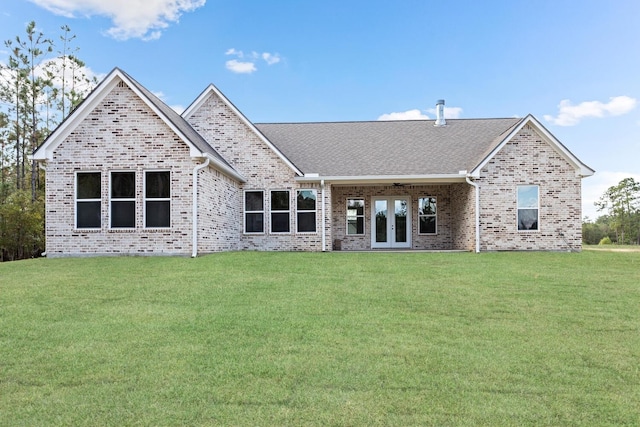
(594, 187)
(404, 115)
(240, 67)
(271, 58)
(248, 65)
(71, 70)
(144, 19)
(571, 115)
(449, 113)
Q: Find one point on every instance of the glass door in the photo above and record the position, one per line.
(391, 222)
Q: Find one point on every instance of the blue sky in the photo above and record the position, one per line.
(573, 64)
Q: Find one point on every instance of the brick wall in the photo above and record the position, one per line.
(528, 160)
(263, 169)
(463, 223)
(120, 134)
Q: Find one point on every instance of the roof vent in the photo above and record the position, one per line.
(440, 113)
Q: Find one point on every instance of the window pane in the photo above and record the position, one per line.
(158, 214)
(427, 224)
(157, 185)
(528, 197)
(527, 219)
(89, 185)
(355, 226)
(123, 185)
(381, 220)
(280, 201)
(280, 222)
(88, 214)
(427, 206)
(253, 201)
(306, 222)
(254, 223)
(123, 214)
(306, 200)
(355, 207)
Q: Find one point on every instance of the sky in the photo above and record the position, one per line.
(573, 64)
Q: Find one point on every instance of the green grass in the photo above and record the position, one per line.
(322, 339)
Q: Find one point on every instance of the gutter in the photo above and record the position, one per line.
(477, 211)
(382, 179)
(223, 167)
(194, 223)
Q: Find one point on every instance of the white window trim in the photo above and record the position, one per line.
(76, 201)
(271, 211)
(426, 216)
(111, 199)
(315, 211)
(364, 215)
(245, 212)
(154, 199)
(537, 208)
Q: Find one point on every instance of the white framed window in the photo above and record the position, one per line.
(306, 211)
(280, 211)
(355, 217)
(254, 211)
(88, 200)
(528, 207)
(122, 200)
(427, 215)
(157, 199)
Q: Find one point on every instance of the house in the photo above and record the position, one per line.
(126, 174)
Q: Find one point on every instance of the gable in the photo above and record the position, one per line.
(212, 94)
(198, 147)
(581, 170)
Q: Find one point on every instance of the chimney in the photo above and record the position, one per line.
(440, 113)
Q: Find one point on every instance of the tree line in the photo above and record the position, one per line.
(41, 82)
(621, 222)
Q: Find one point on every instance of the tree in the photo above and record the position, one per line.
(36, 93)
(622, 202)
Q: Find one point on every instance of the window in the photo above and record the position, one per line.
(280, 220)
(306, 211)
(157, 199)
(254, 212)
(88, 200)
(427, 215)
(528, 196)
(355, 216)
(123, 202)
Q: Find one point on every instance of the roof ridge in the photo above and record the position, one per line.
(517, 119)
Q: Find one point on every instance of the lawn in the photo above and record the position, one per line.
(323, 339)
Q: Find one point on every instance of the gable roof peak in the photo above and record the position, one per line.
(212, 90)
(198, 146)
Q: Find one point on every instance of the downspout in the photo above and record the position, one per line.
(324, 229)
(477, 212)
(194, 223)
(43, 168)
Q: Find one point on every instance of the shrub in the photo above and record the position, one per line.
(605, 241)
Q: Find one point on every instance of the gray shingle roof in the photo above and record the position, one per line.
(388, 147)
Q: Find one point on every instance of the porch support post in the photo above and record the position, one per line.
(477, 213)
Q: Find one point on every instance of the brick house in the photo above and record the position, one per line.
(126, 174)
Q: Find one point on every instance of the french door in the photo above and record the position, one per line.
(391, 222)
